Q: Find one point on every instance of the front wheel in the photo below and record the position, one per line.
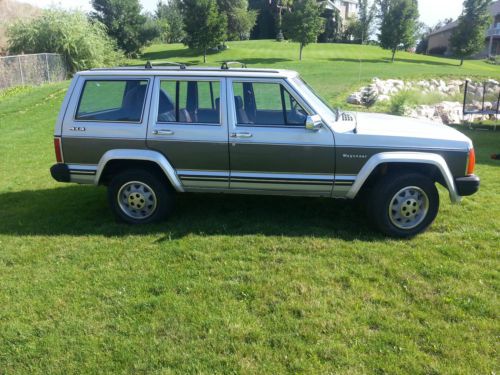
(403, 205)
(139, 197)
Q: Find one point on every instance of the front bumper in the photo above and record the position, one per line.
(467, 185)
(60, 172)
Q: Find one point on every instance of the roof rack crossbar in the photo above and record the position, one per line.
(225, 64)
(150, 66)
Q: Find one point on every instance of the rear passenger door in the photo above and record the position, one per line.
(188, 125)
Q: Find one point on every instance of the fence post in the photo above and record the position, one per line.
(47, 65)
(21, 69)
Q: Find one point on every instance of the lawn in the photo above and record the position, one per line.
(333, 69)
(235, 284)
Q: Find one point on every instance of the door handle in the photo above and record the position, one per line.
(163, 132)
(241, 135)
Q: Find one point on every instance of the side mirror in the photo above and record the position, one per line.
(314, 122)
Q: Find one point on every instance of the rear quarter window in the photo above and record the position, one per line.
(112, 100)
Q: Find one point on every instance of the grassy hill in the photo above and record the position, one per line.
(333, 69)
(11, 11)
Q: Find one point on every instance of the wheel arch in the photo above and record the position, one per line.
(429, 164)
(123, 158)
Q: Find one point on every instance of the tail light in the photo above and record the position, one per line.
(58, 149)
(472, 162)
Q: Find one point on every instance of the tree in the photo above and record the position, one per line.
(304, 23)
(240, 20)
(366, 16)
(468, 37)
(125, 23)
(279, 7)
(171, 14)
(399, 25)
(83, 43)
(205, 26)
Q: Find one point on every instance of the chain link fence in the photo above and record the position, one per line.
(33, 69)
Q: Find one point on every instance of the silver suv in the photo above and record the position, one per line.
(148, 133)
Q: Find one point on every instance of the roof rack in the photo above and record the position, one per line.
(225, 64)
(150, 66)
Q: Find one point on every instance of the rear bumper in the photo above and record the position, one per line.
(467, 185)
(60, 172)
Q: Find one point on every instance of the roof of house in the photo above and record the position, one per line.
(494, 10)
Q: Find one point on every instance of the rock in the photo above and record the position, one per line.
(492, 82)
(355, 98)
(384, 98)
(450, 112)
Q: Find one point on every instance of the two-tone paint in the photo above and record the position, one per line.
(333, 161)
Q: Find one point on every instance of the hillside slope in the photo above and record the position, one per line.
(10, 11)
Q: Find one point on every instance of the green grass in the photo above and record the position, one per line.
(235, 284)
(333, 69)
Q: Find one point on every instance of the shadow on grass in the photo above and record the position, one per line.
(388, 61)
(174, 53)
(263, 61)
(83, 210)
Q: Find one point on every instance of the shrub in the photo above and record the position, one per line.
(83, 43)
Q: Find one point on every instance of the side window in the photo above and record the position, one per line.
(112, 100)
(266, 104)
(191, 102)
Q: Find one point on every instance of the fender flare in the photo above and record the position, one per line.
(405, 157)
(142, 155)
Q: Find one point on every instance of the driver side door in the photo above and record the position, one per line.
(271, 151)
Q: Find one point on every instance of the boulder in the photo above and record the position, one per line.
(354, 98)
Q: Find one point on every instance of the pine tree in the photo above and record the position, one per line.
(125, 23)
(205, 26)
(468, 37)
(240, 20)
(304, 23)
(170, 12)
(399, 25)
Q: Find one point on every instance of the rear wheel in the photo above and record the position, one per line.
(403, 205)
(139, 197)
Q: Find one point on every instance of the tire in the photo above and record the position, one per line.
(139, 197)
(403, 205)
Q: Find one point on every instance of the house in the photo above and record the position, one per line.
(346, 8)
(439, 40)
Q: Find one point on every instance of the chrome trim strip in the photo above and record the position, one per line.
(192, 172)
(289, 176)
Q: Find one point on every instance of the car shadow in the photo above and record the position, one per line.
(83, 210)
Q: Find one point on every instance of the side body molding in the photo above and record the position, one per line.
(143, 155)
(405, 157)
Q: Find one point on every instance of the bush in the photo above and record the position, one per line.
(83, 43)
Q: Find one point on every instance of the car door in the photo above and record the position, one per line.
(189, 127)
(271, 150)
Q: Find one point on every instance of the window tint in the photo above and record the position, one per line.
(196, 102)
(117, 101)
(266, 104)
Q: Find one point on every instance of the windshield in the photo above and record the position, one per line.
(316, 100)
